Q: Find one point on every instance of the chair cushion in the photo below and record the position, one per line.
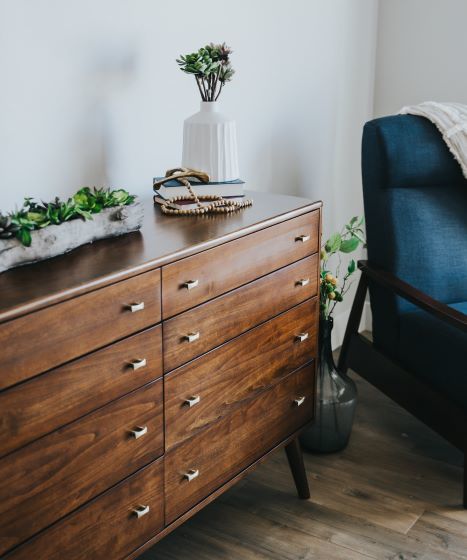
(435, 352)
(415, 209)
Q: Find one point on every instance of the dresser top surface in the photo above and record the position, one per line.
(163, 239)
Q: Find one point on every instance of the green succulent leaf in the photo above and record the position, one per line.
(24, 235)
(211, 67)
(83, 204)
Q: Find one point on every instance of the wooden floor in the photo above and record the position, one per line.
(394, 493)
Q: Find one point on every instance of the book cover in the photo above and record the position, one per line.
(226, 189)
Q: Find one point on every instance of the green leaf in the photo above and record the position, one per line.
(120, 196)
(351, 268)
(349, 245)
(333, 244)
(81, 198)
(24, 235)
(84, 214)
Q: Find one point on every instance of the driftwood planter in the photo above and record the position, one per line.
(56, 240)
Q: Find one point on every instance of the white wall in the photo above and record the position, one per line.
(421, 52)
(91, 94)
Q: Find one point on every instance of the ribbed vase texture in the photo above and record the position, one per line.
(210, 143)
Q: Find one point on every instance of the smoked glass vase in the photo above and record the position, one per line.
(335, 404)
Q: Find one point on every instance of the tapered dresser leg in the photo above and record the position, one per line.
(295, 458)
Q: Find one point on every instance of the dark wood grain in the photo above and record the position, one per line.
(54, 475)
(163, 239)
(297, 466)
(69, 400)
(353, 323)
(410, 293)
(106, 529)
(228, 446)
(235, 263)
(52, 336)
(209, 499)
(240, 310)
(228, 376)
(34, 408)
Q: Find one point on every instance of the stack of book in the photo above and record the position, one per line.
(227, 189)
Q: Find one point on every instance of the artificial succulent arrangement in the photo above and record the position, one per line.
(211, 67)
(83, 204)
(332, 287)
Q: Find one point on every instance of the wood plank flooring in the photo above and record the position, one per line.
(394, 493)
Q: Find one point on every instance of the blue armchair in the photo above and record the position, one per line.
(416, 219)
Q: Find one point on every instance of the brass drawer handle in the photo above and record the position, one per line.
(299, 401)
(139, 431)
(190, 284)
(191, 474)
(301, 337)
(303, 238)
(138, 364)
(134, 307)
(140, 511)
(192, 401)
(303, 282)
(192, 336)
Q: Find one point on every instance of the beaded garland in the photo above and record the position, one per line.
(219, 205)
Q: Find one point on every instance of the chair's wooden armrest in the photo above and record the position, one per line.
(408, 292)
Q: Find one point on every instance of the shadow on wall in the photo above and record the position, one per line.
(109, 79)
(284, 173)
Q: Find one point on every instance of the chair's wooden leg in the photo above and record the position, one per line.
(295, 458)
(353, 323)
(464, 501)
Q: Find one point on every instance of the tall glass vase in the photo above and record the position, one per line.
(336, 401)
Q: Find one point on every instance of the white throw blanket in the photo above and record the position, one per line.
(451, 121)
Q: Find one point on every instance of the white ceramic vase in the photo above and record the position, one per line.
(210, 143)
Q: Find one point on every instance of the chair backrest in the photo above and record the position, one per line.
(416, 215)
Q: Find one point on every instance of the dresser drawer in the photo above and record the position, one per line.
(54, 475)
(47, 402)
(198, 330)
(196, 279)
(203, 463)
(208, 388)
(106, 529)
(50, 337)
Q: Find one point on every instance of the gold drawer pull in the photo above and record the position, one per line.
(303, 282)
(192, 401)
(139, 431)
(191, 474)
(301, 337)
(140, 511)
(299, 401)
(138, 364)
(191, 336)
(134, 307)
(303, 238)
(190, 284)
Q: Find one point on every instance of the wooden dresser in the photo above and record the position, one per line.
(141, 377)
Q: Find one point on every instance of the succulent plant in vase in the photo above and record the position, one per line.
(211, 67)
(209, 137)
